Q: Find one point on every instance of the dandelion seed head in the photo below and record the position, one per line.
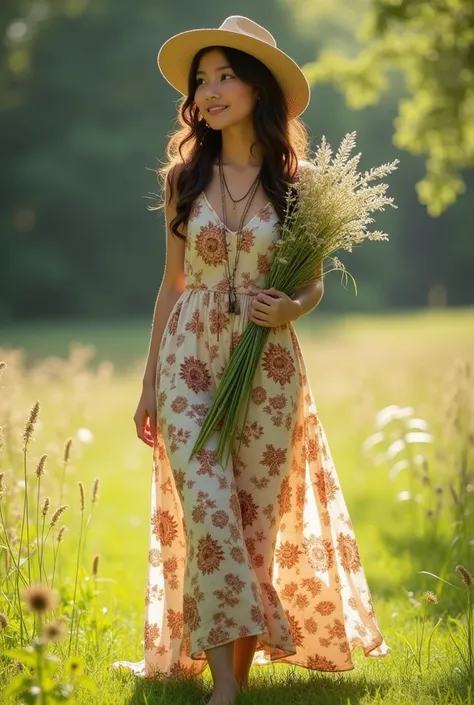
(40, 598)
(54, 631)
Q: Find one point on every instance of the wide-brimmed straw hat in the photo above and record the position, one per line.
(176, 55)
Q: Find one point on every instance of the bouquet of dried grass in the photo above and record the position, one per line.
(327, 210)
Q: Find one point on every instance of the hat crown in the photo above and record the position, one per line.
(243, 25)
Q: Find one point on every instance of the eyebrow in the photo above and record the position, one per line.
(219, 68)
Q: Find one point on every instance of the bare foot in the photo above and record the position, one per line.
(224, 694)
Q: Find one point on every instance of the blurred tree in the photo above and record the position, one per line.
(432, 45)
(21, 21)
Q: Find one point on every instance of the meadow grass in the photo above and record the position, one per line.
(405, 523)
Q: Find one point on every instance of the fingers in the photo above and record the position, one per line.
(142, 427)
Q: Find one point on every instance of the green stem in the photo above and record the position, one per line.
(79, 551)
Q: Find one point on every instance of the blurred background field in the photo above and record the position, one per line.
(84, 119)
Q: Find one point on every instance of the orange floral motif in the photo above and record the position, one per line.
(325, 607)
(191, 613)
(209, 554)
(210, 245)
(284, 497)
(348, 553)
(220, 518)
(195, 374)
(164, 526)
(173, 321)
(320, 663)
(152, 634)
(273, 458)
(263, 263)
(248, 238)
(195, 325)
(296, 631)
(179, 405)
(288, 555)
(218, 320)
(319, 552)
(327, 487)
(278, 363)
(175, 623)
(248, 508)
(259, 395)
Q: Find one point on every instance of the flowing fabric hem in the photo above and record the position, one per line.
(138, 668)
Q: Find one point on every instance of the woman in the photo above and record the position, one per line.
(255, 561)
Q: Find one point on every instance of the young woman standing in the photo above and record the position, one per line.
(255, 561)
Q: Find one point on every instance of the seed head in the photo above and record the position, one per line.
(30, 424)
(40, 598)
(3, 619)
(3, 366)
(95, 566)
(57, 514)
(40, 467)
(45, 506)
(466, 576)
(430, 597)
(82, 496)
(2, 484)
(95, 490)
(61, 534)
(67, 450)
(54, 631)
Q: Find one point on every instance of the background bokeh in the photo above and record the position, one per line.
(84, 118)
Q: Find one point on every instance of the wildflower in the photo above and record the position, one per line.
(57, 514)
(95, 490)
(3, 619)
(466, 576)
(54, 631)
(45, 506)
(82, 496)
(429, 596)
(67, 450)
(30, 424)
(40, 467)
(95, 566)
(40, 598)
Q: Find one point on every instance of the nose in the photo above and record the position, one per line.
(211, 91)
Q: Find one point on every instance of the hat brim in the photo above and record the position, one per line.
(176, 55)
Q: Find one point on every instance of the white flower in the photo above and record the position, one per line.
(398, 467)
(417, 423)
(84, 435)
(403, 496)
(392, 413)
(373, 440)
(418, 437)
(395, 448)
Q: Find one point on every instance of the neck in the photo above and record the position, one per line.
(236, 144)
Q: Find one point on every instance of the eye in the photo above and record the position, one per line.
(227, 75)
(198, 81)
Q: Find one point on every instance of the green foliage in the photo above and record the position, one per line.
(432, 45)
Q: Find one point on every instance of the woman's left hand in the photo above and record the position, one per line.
(271, 308)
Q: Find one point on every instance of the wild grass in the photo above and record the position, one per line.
(411, 499)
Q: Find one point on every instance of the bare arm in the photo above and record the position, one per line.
(309, 296)
(172, 286)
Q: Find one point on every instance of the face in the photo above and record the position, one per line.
(222, 99)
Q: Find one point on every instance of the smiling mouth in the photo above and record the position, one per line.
(220, 109)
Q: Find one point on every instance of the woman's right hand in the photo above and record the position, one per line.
(145, 416)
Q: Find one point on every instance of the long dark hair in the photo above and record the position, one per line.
(194, 147)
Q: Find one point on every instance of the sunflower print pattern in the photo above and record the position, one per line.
(265, 545)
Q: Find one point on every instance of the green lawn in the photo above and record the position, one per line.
(357, 366)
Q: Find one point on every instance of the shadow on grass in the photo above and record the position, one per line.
(268, 686)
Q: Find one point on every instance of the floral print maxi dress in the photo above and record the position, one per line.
(265, 545)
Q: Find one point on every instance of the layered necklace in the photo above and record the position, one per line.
(234, 304)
